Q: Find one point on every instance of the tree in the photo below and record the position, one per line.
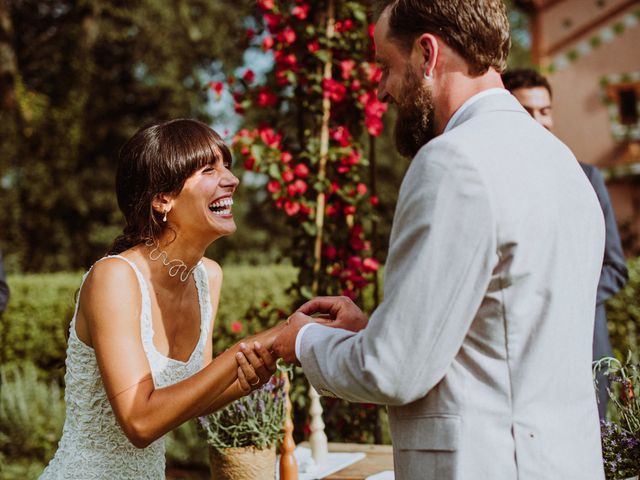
(78, 79)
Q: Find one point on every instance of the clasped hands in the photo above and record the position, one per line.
(258, 355)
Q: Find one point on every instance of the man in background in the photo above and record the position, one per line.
(4, 288)
(534, 93)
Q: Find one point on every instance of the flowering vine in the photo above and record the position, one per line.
(303, 129)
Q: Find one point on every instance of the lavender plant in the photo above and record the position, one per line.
(621, 435)
(254, 420)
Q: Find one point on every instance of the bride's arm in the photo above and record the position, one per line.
(110, 305)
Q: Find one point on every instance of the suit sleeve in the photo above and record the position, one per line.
(4, 288)
(614, 268)
(441, 256)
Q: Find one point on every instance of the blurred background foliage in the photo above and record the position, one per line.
(77, 78)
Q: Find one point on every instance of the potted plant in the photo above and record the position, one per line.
(242, 437)
(621, 432)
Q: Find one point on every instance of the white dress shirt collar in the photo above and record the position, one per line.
(470, 101)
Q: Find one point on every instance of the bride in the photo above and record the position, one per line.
(139, 360)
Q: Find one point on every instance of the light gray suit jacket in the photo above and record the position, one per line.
(482, 345)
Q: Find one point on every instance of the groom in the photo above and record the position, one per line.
(480, 347)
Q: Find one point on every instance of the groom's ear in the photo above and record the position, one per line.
(428, 49)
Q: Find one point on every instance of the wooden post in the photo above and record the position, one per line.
(324, 154)
(288, 463)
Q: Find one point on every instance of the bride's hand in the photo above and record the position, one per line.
(256, 365)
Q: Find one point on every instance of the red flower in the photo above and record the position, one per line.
(287, 176)
(273, 186)
(292, 190)
(267, 43)
(287, 36)
(301, 170)
(361, 188)
(291, 207)
(286, 157)
(249, 163)
(313, 46)
(344, 25)
(370, 265)
(333, 90)
(216, 87)
(374, 126)
(332, 210)
(273, 20)
(266, 98)
(300, 11)
(236, 327)
(330, 252)
(266, 4)
(349, 210)
(250, 33)
(301, 186)
(341, 135)
(370, 29)
(248, 76)
(374, 200)
(347, 67)
(270, 137)
(305, 210)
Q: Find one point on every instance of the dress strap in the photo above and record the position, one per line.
(204, 299)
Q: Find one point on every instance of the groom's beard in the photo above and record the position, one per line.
(414, 126)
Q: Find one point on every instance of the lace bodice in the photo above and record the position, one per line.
(93, 446)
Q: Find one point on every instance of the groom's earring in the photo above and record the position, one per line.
(164, 219)
(427, 76)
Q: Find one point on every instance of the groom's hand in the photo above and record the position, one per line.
(338, 312)
(284, 345)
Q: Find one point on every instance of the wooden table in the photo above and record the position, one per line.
(379, 458)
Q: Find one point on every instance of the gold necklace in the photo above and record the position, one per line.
(176, 266)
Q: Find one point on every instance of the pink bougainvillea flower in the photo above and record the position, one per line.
(313, 46)
(374, 200)
(301, 170)
(349, 210)
(236, 327)
(361, 188)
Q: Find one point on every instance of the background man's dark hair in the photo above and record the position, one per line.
(478, 30)
(524, 78)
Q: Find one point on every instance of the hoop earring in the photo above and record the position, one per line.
(164, 219)
(427, 76)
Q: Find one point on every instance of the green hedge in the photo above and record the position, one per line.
(623, 313)
(36, 322)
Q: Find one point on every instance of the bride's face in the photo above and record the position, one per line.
(204, 205)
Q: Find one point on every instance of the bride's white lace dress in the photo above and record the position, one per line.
(93, 445)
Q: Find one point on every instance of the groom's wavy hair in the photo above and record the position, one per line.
(478, 30)
(158, 159)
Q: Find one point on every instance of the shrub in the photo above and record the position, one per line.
(31, 414)
(623, 313)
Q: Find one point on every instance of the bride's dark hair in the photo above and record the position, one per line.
(158, 159)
